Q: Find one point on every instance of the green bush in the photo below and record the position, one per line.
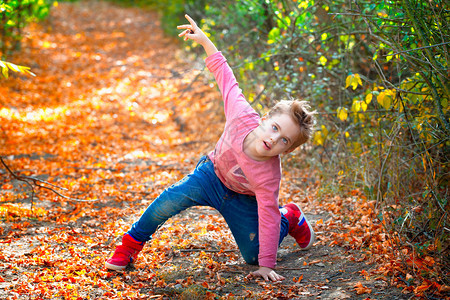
(14, 16)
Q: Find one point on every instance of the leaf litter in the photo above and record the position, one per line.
(116, 113)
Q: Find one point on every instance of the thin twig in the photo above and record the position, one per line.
(33, 192)
(292, 269)
(32, 182)
(419, 48)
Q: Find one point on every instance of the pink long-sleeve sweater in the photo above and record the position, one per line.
(238, 171)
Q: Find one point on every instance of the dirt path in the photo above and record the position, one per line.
(116, 113)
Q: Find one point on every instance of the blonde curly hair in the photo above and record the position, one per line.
(300, 112)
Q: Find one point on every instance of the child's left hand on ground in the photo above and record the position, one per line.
(266, 274)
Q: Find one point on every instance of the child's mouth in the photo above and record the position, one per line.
(267, 145)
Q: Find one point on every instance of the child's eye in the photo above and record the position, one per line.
(274, 128)
(285, 141)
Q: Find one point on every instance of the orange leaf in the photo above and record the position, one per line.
(444, 288)
(299, 278)
(364, 273)
(360, 289)
(7, 186)
(315, 261)
(421, 288)
(355, 192)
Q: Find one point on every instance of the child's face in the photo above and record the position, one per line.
(274, 136)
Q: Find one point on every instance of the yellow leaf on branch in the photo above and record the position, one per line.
(385, 98)
(353, 80)
(356, 106)
(368, 98)
(320, 136)
(16, 68)
(363, 105)
(342, 113)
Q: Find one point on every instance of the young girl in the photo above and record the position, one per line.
(240, 177)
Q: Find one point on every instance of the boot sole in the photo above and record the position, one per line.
(114, 267)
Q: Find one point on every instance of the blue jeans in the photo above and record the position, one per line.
(202, 187)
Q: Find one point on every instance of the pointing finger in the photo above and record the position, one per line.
(190, 20)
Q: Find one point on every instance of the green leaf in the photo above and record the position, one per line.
(375, 55)
(5, 72)
(389, 56)
(4, 69)
(303, 4)
(274, 35)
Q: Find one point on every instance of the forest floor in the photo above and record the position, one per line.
(117, 112)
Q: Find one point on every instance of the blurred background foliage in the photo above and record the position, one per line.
(14, 16)
(376, 72)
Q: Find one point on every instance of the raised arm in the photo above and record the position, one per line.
(193, 32)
